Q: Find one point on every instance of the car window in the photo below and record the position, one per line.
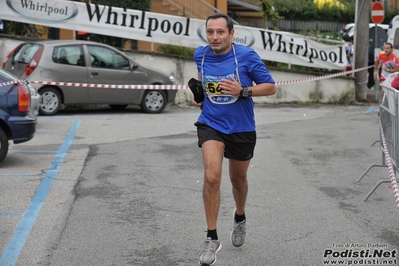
(70, 55)
(107, 58)
(26, 52)
(396, 39)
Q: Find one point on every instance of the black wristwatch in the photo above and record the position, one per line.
(245, 92)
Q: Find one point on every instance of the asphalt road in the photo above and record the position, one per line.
(99, 187)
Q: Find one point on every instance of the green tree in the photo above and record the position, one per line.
(307, 10)
(269, 12)
(289, 5)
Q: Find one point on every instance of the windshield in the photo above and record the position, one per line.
(26, 52)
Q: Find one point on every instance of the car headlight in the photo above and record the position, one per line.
(172, 78)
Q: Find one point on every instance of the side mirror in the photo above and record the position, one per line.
(134, 67)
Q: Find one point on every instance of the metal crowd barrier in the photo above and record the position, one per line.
(389, 134)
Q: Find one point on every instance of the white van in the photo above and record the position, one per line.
(371, 26)
(349, 26)
(382, 33)
(393, 35)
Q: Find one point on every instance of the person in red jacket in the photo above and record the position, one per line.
(388, 62)
(395, 82)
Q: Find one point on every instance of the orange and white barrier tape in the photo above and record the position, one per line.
(394, 184)
(322, 77)
(9, 83)
(114, 86)
(173, 87)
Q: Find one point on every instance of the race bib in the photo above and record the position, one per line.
(213, 91)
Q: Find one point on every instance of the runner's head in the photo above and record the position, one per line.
(219, 32)
(388, 48)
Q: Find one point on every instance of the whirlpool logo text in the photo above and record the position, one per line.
(50, 11)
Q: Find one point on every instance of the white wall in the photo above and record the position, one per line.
(323, 90)
(183, 68)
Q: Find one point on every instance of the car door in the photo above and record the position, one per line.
(68, 64)
(108, 66)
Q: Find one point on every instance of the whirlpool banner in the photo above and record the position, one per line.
(271, 45)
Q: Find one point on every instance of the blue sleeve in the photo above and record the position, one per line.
(257, 69)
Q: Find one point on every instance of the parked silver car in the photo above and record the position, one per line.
(35, 101)
(87, 62)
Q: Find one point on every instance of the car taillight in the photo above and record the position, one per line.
(34, 62)
(3, 65)
(23, 98)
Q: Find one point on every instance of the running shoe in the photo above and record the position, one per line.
(239, 232)
(208, 256)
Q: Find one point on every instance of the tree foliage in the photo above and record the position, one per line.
(269, 12)
(309, 10)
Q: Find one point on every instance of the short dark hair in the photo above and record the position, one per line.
(346, 38)
(229, 20)
(390, 44)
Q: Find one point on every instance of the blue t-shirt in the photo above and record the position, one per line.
(225, 113)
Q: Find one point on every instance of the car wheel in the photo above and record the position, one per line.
(118, 106)
(51, 101)
(3, 145)
(153, 102)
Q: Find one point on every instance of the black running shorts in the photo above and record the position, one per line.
(238, 146)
